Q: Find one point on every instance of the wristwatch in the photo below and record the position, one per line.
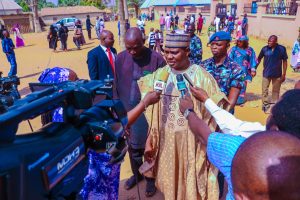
(187, 112)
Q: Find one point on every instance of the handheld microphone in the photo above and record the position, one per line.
(181, 84)
(160, 83)
(188, 79)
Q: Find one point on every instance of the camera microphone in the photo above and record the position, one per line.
(181, 84)
(188, 79)
(160, 83)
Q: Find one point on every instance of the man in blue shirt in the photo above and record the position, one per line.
(221, 148)
(8, 48)
(275, 66)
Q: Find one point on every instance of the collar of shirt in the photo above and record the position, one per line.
(104, 49)
(226, 62)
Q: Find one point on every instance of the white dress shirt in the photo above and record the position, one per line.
(229, 124)
(104, 49)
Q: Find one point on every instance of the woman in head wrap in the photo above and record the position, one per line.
(18, 37)
(295, 59)
(52, 38)
(245, 56)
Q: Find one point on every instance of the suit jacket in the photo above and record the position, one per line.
(98, 63)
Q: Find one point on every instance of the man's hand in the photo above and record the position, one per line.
(253, 74)
(199, 94)
(186, 103)
(282, 78)
(151, 98)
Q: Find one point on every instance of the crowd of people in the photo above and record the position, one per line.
(182, 135)
(175, 134)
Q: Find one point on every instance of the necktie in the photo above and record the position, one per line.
(111, 60)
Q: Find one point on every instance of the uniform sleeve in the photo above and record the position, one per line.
(237, 77)
(231, 53)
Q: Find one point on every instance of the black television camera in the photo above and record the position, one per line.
(51, 163)
(8, 91)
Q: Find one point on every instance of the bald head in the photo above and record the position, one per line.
(134, 42)
(107, 38)
(134, 34)
(267, 166)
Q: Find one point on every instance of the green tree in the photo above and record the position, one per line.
(136, 4)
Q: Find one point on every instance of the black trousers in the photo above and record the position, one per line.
(136, 160)
(89, 33)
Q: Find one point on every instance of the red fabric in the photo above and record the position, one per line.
(111, 60)
(200, 23)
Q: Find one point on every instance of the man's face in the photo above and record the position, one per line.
(219, 48)
(134, 47)
(109, 40)
(176, 57)
(272, 42)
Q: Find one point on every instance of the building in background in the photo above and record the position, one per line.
(52, 15)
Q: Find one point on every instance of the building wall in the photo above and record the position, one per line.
(10, 12)
(285, 27)
(52, 19)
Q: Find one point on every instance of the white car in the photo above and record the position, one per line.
(68, 22)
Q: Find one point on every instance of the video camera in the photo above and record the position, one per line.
(51, 163)
(8, 91)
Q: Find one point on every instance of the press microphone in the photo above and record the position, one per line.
(181, 84)
(160, 83)
(188, 79)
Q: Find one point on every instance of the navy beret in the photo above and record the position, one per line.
(220, 36)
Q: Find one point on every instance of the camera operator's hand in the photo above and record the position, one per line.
(199, 94)
(151, 98)
(186, 103)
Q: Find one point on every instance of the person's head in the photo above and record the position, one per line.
(156, 31)
(200, 15)
(219, 43)
(167, 14)
(140, 18)
(101, 20)
(242, 42)
(151, 29)
(5, 34)
(267, 166)
(212, 23)
(177, 50)
(272, 41)
(191, 29)
(285, 113)
(88, 16)
(245, 15)
(97, 17)
(107, 38)
(61, 24)
(134, 42)
(162, 15)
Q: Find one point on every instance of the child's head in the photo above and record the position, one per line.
(151, 29)
(5, 34)
(212, 23)
(156, 31)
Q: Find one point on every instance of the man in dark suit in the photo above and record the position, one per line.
(89, 26)
(101, 60)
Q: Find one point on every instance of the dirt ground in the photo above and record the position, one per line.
(36, 56)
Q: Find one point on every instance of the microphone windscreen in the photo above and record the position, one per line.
(163, 76)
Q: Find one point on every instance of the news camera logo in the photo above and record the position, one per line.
(68, 159)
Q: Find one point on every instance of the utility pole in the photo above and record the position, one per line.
(34, 8)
